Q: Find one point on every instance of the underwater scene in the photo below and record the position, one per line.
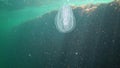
(59, 33)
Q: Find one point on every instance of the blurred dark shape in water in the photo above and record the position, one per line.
(94, 43)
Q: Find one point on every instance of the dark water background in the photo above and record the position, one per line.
(94, 43)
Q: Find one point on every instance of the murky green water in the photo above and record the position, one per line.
(29, 38)
(10, 19)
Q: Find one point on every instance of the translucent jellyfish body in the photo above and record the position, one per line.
(65, 20)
